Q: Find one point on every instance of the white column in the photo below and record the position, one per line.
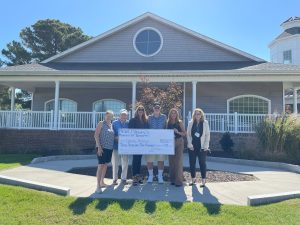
(56, 105)
(295, 96)
(184, 117)
(12, 98)
(194, 100)
(133, 98)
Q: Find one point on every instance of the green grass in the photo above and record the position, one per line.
(8, 161)
(23, 206)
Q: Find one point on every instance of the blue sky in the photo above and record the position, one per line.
(249, 25)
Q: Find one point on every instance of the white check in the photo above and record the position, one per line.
(146, 142)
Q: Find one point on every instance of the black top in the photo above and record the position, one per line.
(137, 124)
(197, 128)
(173, 126)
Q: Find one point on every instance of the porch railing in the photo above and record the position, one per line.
(219, 122)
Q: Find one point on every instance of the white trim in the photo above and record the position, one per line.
(105, 99)
(249, 95)
(184, 117)
(162, 20)
(133, 98)
(148, 28)
(46, 102)
(12, 98)
(283, 38)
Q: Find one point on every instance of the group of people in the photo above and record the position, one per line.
(197, 134)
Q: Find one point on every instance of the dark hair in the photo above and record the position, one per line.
(144, 116)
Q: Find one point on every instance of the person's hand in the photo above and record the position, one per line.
(191, 148)
(99, 151)
(176, 131)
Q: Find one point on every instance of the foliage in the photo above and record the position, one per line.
(280, 134)
(226, 142)
(168, 97)
(40, 41)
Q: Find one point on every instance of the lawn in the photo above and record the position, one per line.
(24, 206)
(8, 161)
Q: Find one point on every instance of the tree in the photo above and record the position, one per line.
(38, 42)
(169, 97)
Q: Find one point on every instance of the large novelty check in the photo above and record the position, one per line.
(146, 142)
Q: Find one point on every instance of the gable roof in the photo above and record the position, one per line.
(159, 19)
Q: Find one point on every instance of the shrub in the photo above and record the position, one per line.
(226, 142)
(280, 135)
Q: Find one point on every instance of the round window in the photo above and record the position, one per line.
(147, 41)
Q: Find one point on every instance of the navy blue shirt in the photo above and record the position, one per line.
(117, 124)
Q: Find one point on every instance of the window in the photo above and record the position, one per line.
(65, 105)
(287, 57)
(148, 41)
(108, 104)
(249, 104)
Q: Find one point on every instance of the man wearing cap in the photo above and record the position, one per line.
(122, 122)
(156, 121)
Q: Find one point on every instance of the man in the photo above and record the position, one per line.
(120, 123)
(156, 121)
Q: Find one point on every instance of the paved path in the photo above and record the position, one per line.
(270, 181)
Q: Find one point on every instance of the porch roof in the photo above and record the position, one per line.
(154, 66)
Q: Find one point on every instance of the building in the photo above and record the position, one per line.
(285, 48)
(71, 90)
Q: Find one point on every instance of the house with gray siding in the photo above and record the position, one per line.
(72, 89)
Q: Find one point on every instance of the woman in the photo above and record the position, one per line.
(175, 161)
(140, 121)
(198, 136)
(104, 137)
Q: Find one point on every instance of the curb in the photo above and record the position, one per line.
(276, 165)
(271, 198)
(35, 185)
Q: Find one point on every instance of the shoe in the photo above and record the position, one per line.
(192, 182)
(150, 179)
(98, 190)
(124, 182)
(140, 179)
(160, 180)
(115, 182)
(172, 183)
(135, 181)
(202, 185)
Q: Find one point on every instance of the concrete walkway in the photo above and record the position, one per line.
(270, 181)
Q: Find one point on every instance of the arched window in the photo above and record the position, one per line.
(108, 104)
(249, 104)
(65, 105)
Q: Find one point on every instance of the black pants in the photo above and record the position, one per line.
(136, 164)
(202, 162)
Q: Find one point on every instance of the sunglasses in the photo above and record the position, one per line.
(156, 107)
(141, 110)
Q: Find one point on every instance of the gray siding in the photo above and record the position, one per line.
(178, 46)
(212, 97)
(83, 96)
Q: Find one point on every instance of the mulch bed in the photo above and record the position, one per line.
(211, 176)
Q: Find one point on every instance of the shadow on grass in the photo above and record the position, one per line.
(210, 202)
(80, 205)
(103, 204)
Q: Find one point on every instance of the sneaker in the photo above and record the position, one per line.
(98, 190)
(135, 181)
(124, 182)
(150, 179)
(115, 182)
(160, 180)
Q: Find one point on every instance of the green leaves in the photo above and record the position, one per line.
(42, 40)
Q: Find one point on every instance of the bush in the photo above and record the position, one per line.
(281, 136)
(226, 142)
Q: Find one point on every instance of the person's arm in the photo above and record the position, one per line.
(115, 131)
(189, 136)
(96, 136)
(207, 136)
(182, 132)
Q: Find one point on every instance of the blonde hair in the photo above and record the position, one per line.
(201, 113)
(177, 120)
